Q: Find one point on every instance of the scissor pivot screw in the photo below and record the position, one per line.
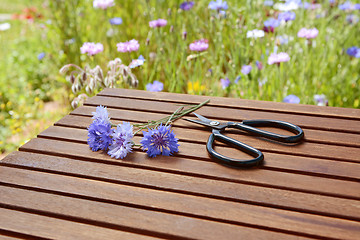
(214, 123)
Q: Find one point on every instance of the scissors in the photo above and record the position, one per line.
(250, 127)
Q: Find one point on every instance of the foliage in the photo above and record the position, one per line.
(220, 67)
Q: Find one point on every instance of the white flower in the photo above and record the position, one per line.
(288, 6)
(255, 33)
(5, 26)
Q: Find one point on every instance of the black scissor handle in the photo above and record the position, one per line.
(250, 126)
(216, 135)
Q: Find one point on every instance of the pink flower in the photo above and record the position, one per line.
(278, 58)
(91, 48)
(308, 33)
(157, 23)
(130, 46)
(103, 4)
(199, 46)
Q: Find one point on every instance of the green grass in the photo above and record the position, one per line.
(320, 66)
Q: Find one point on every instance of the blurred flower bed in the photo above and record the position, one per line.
(294, 51)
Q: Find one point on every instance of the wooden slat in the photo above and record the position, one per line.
(307, 149)
(305, 165)
(323, 123)
(163, 224)
(236, 192)
(317, 136)
(52, 228)
(200, 207)
(236, 103)
(274, 178)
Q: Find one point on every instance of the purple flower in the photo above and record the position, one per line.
(137, 62)
(237, 79)
(186, 6)
(353, 52)
(41, 56)
(158, 23)
(259, 65)
(160, 140)
(121, 141)
(101, 114)
(308, 33)
(356, 6)
(130, 46)
(320, 100)
(91, 48)
(352, 18)
(218, 5)
(225, 82)
(278, 58)
(268, 3)
(345, 6)
(246, 69)
(199, 46)
(271, 24)
(155, 87)
(284, 39)
(286, 16)
(99, 135)
(103, 4)
(291, 99)
(116, 21)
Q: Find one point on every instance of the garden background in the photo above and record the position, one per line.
(228, 59)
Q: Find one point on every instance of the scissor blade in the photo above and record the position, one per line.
(197, 121)
(202, 118)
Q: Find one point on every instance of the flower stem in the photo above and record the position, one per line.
(166, 120)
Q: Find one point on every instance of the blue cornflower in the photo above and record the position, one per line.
(155, 87)
(101, 114)
(99, 135)
(291, 99)
(41, 56)
(353, 52)
(225, 82)
(186, 6)
(246, 69)
(137, 62)
(286, 16)
(345, 6)
(121, 140)
(268, 3)
(271, 24)
(356, 6)
(218, 5)
(116, 21)
(160, 140)
(237, 79)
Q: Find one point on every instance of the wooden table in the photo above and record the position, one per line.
(56, 187)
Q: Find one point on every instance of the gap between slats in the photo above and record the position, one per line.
(254, 183)
(124, 218)
(91, 222)
(17, 235)
(340, 125)
(228, 198)
(136, 94)
(145, 116)
(268, 165)
(247, 223)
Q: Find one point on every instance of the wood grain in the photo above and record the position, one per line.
(200, 207)
(311, 135)
(55, 187)
(39, 226)
(233, 103)
(323, 123)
